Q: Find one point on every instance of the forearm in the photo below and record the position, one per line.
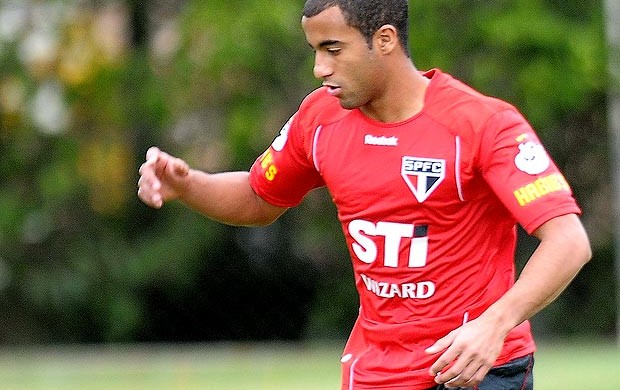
(227, 198)
(553, 265)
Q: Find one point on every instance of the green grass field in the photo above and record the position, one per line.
(578, 366)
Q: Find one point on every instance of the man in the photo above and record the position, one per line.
(429, 178)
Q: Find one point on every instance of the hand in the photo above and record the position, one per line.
(162, 178)
(468, 354)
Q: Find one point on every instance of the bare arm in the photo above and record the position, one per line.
(563, 250)
(224, 197)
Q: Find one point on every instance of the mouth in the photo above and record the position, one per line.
(333, 90)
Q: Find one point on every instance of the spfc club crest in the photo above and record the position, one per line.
(423, 175)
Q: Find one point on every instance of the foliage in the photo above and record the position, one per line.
(85, 89)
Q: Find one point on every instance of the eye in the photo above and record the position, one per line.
(334, 51)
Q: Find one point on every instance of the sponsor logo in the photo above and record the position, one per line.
(532, 158)
(391, 236)
(280, 141)
(522, 137)
(380, 141)
(392, 241)
(267, 160)
(418, 290)
(423, 175)
(268, 165)
(540, 188)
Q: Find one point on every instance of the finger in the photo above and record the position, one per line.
(465, 375)
(153, 200)
(453, 373)
(443, 369)
(152, 152)
(150, 197)
(148, 176)
(461, 382)
(157, 201)
(156, 160)
(477, 376)
(149, 186)
(456, 376)
(440, 345)
(149, 169)
(452, 383)
(152, 156)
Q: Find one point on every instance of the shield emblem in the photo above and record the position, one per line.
(423, 175)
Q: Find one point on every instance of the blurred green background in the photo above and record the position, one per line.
(87, 86)
(248, 366)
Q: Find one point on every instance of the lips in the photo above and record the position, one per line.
(333, 90)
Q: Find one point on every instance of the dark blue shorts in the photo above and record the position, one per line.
(515, 375)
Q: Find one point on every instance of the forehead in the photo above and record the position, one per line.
(329, 25)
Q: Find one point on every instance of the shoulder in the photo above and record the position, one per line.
(461, 108)
(319, 109)
(479, 121)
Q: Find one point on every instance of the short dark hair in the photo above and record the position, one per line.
(368, 15)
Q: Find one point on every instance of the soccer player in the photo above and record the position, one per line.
(430, 179)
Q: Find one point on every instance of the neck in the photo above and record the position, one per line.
(403, 96)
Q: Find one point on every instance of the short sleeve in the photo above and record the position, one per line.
(284, 173)
(523, 176)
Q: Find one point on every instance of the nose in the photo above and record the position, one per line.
(322, 68)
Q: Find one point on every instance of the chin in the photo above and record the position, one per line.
(349, 105)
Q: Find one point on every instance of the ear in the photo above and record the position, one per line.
(386, 39)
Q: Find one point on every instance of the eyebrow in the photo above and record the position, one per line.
(325, 43)
(328, 42)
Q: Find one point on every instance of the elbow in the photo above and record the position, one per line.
(260, 222)
(582, 243)
(266, 213)
(250, 221)
(579, 245)
(567, 234)
(586, 249)
(263, 214)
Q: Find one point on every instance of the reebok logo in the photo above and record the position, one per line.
(380, 141)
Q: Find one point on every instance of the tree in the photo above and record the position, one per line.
(87, 88)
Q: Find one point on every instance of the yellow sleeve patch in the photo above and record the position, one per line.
(540, 188)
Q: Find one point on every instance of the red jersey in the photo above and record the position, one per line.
(428, 207)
